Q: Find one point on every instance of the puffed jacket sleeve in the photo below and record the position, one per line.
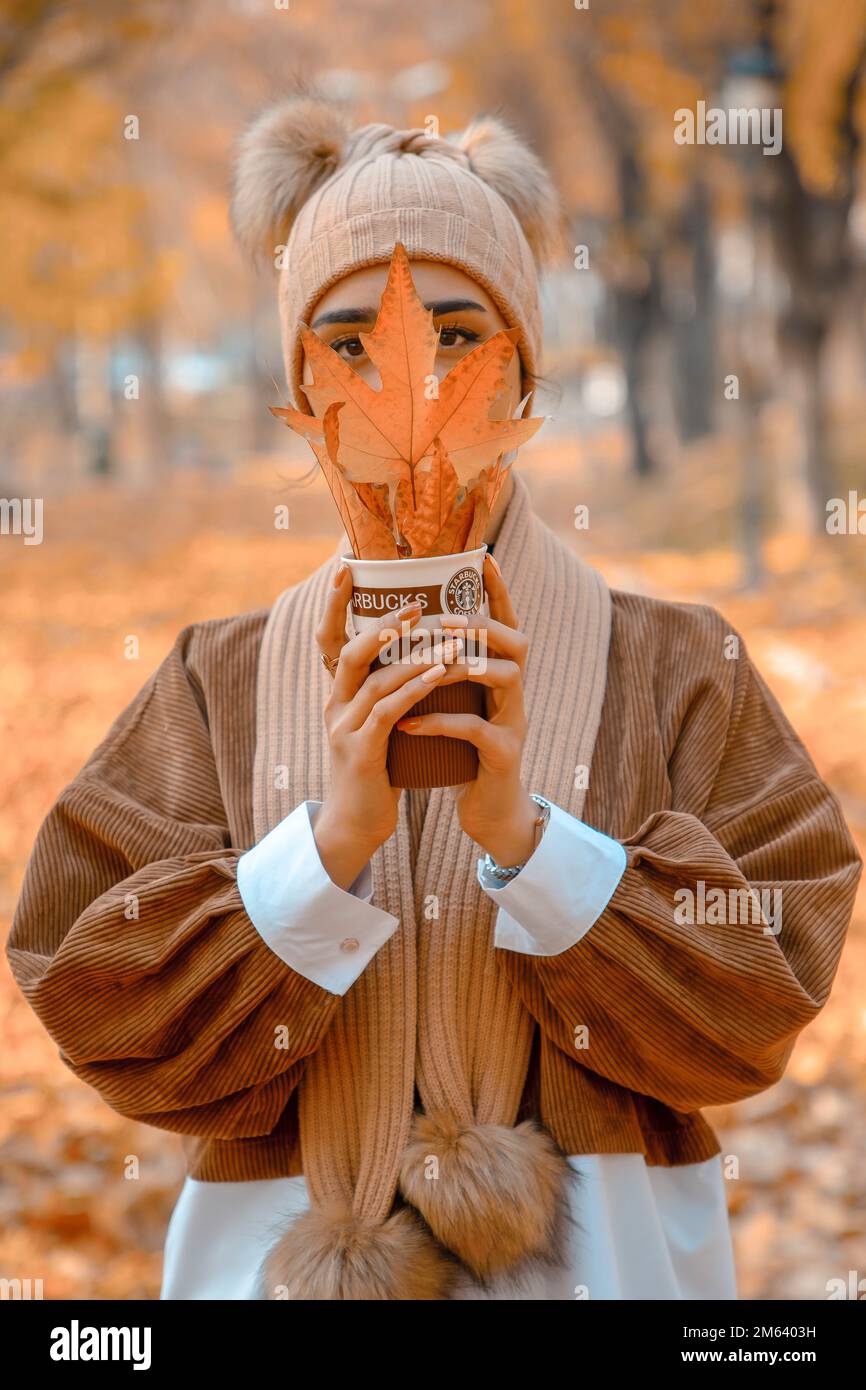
(689, 987)
(131, 940)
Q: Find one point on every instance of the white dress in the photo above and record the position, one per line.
(637, 1231)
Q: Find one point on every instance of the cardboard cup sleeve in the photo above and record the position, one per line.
(444, 585)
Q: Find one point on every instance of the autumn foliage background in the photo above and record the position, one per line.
(702, 263)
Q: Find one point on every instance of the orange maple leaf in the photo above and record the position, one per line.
(425, 445)
(369, 533)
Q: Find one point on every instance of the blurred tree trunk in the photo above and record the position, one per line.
(157, 425)
(63, 392)
(694, 326)
(93, 396)
(752, 464)
(820, 473)
(633, 313)
(811, 240)
(811, 237)
(633, 271)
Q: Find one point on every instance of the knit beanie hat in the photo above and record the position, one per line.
(320, 200)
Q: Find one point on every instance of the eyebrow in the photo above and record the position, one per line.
(367, 313)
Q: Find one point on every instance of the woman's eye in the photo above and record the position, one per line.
(452, 335)
(349, 347)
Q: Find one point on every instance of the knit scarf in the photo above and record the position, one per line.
(405, 1198)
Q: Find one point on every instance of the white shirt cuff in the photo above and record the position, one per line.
(325, 933)
(562, 889)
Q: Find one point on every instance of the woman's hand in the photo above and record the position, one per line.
(495, 809)
(360, 811)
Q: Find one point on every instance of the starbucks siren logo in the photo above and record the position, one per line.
(463, 592)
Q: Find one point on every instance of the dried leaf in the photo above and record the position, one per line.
(466, 395)
(428, 450)
(480, 518)
(367, 454)
(422, 518)
(375, 497)
(369, 536)
(454, 535)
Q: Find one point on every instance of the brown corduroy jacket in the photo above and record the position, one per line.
(132, 945)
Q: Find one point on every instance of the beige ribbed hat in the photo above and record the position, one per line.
(321, 201)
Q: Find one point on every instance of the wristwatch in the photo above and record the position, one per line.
(504, 874)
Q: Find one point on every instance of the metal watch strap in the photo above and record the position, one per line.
(511, 871)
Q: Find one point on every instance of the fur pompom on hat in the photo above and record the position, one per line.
(283, 158)
(501, 159)
(319, 200)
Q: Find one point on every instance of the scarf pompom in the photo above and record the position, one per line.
(492, 1194)
(333, 1255)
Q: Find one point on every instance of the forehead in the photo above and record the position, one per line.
(433, 280)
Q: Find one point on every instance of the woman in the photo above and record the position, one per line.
(403, 1071)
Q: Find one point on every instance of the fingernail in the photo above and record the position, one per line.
(407, 724)
(338, 577)
(458, 620)
(433, 674)
(441, 649)
(407, 608)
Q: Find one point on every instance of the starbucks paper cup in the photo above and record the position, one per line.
(444, 585)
